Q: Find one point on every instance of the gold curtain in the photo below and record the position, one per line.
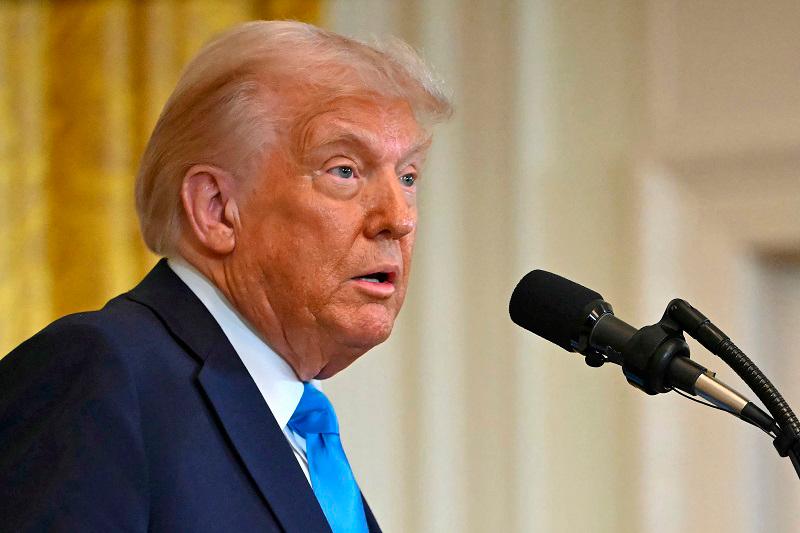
(81, 86)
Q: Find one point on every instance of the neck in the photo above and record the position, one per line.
(251, 302)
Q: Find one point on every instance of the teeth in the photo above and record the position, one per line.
(371, 280)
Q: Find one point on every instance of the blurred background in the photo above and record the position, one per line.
(648, 149)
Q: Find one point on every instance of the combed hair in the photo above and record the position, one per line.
(231, 100)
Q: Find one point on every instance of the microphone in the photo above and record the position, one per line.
(567, 314)
(654, 359)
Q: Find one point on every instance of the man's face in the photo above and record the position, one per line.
(327, 230)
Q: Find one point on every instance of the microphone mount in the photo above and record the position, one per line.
(786, 425)
(655, 359)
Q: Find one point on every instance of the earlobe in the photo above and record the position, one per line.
(210, 210)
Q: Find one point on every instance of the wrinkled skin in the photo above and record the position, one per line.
(336, 203)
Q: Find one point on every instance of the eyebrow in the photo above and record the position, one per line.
(365, 140)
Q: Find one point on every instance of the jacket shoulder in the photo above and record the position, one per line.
(112, 336)
(70, 423)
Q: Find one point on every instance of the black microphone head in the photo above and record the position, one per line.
(551, 306)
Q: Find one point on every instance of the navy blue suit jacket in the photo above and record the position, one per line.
(141, 417)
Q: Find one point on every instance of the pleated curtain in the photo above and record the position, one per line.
(81, 86)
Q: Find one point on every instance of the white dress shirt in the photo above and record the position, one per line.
(274, 378)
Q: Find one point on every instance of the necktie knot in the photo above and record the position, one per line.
(314, 414)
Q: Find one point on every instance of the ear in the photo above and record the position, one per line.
(210, 209)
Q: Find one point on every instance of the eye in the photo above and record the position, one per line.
(408, 179)
(342, 171)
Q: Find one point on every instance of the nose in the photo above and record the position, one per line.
(391, 211)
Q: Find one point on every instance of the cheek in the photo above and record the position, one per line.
(298, 232)
(407, 249)
(304, 260)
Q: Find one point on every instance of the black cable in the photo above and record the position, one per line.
(785, 426)
(717, 342)
(701, 402)
(718, 408)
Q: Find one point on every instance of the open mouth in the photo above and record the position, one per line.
(377, 277)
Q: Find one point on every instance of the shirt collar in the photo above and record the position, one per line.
(275, 379)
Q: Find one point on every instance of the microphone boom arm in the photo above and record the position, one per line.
(655, 359)
(787, 441)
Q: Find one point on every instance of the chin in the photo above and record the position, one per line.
(355, 342)
(370, 334)
(337, 363)
(366, 327)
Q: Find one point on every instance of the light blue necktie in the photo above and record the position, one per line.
(331, 477)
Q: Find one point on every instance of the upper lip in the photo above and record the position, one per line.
(389, 269)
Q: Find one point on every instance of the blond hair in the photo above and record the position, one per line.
(232, 97)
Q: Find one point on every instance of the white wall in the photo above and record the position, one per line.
(646, 149)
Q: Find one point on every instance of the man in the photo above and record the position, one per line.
(280, 182)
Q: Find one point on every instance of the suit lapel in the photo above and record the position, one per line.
(261, 444)
(372, 524)
(246, 419)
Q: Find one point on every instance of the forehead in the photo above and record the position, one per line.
(385, 125)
